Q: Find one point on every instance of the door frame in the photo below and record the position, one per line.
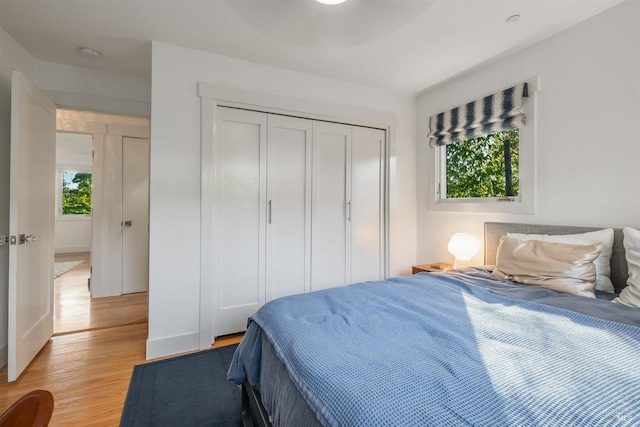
(106, 129)
(212, 96)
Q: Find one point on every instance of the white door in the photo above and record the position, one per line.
(367, 207)
(331, 205)
(135, 215)
(31, 220)
(288, 206)
(239, 218)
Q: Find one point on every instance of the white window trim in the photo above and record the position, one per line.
(69, 217)
(525, 202)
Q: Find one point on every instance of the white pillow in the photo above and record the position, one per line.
(603, 262)
(630, 295)
(562, 267)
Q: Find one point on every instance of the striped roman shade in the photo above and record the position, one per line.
(493, 113)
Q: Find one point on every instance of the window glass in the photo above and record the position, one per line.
(482, 167)
(76, 193)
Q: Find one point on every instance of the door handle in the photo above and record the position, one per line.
(349, 211)
(269, 212)
(127, 223)
(27, 238)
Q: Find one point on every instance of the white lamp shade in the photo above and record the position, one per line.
(330, 1)
(463, 246)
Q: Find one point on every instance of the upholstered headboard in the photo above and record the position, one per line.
(494, 230)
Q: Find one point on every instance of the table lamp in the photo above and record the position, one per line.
(463, 246)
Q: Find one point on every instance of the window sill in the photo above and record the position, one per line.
(493, 205)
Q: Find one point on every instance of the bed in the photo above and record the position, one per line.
(456, 348)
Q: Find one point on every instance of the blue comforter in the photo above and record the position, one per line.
(459, 348)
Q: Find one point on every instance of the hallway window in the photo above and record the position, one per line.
(76, 193)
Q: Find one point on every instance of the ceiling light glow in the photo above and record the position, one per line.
(90, 52)
(330, 2)
(513, 18)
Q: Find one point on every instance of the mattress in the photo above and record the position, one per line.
(280, 397)
(457, 391)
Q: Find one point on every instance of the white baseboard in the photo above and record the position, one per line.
(169, 346)
(72, 250)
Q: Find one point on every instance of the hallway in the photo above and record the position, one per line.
(75, 311)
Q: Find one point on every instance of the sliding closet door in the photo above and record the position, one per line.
(288, 206)
(331, 207)
(367, 207)
(239, 216)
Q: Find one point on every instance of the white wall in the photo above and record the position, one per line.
(73, 236)
(94, 90)
(587, 117)
(174, 278)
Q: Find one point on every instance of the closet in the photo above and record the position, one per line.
(298, 206)
(347, 205)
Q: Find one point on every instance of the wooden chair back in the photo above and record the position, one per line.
(34, 409)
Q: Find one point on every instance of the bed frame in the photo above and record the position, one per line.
(254, 413)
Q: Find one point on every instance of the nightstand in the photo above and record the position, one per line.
(430, 268)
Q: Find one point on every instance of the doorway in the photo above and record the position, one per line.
(88, 290)
(72, 259)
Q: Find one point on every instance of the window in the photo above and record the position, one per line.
(74, 162)
(482, 167)
(484, 153)
(75, 192)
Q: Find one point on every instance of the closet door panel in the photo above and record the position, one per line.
(239, 213)
(367, 210)
(288, 206)
(330, 240)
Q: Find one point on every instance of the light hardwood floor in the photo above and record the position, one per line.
(88, 372)
(75, 310)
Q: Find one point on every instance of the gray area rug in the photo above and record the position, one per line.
(189, 390)
(65, 267)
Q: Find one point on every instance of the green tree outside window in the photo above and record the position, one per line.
(485, 166)
(76, 193)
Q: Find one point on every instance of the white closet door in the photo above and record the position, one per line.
(330, 252)
(367, 208)
(135, 215)
(288, 206)
(238, 217)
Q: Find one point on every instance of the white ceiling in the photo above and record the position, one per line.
(403, 45)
